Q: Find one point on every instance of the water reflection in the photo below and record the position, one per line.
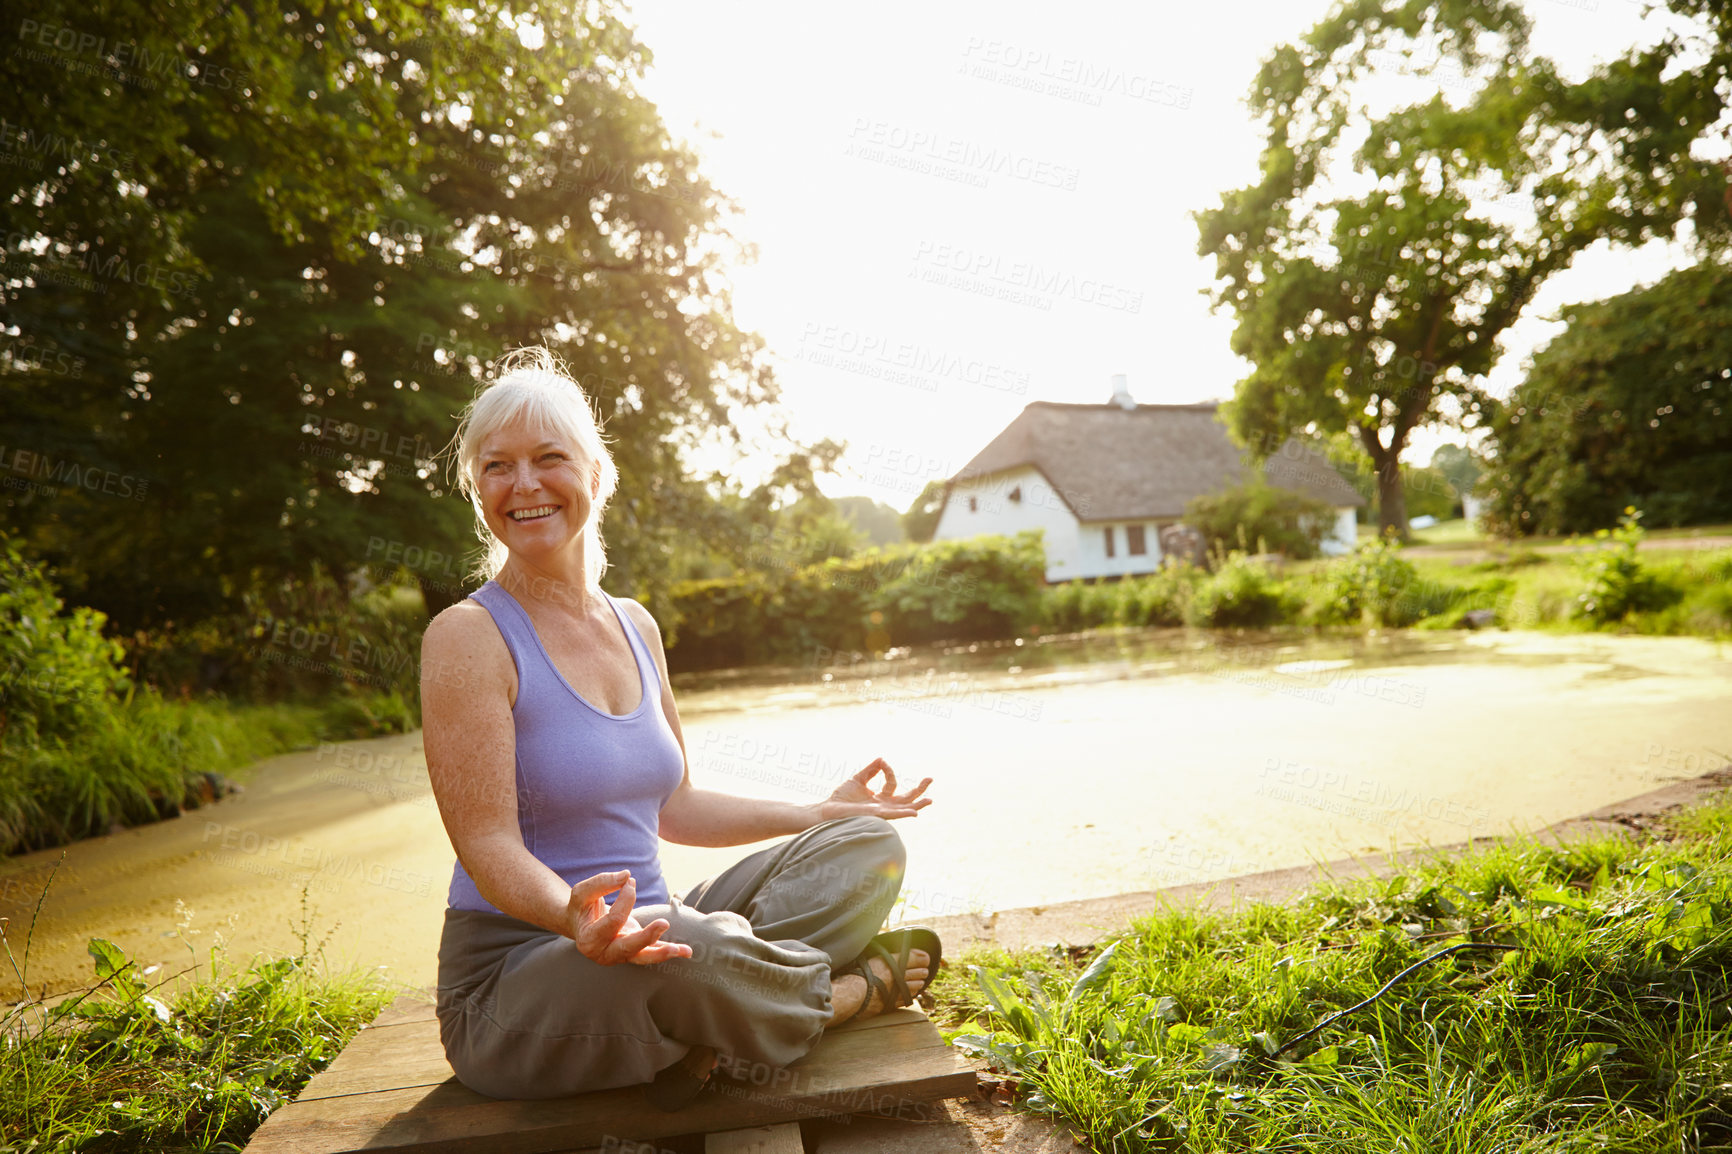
(1292, 660)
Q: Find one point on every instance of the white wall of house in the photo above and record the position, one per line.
(1009, 503)
(1020, 499)
(1472, 507)
(1343, 536)
(1094, 561)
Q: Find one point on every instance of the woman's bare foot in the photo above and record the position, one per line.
(848, 991)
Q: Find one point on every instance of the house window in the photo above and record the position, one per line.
(1109, 532)
(1135, 542)
(1015, 495)
(973, 505)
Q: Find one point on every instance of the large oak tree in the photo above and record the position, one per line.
(1377, 260)
(256, 257)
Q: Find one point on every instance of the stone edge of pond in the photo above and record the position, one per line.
(1085, 922)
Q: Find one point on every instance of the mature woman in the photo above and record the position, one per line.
(557, 760)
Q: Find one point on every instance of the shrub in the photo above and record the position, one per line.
(1376, 585)
(83, 747)
(292, 640)
(1075, 605)
(1240, 592)
(1262, 517)
(979, 589)
(57, 672)
(1618, 585)
(1160, 598)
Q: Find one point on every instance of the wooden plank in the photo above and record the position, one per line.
(405, 1057)
(408, 1054)
(780, 1139)
(407, 1008)
(890, 1072)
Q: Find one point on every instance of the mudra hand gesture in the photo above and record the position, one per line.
(855, 798)
(610, 937)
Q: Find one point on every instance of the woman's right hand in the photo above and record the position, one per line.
(609, 937)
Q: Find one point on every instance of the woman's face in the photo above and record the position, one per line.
(536, 490)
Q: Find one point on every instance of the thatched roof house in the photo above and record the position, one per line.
(1102, 480)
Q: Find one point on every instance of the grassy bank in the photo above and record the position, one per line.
(85, 746)
(127, 1066)
(1575, 999)
(1605, 586)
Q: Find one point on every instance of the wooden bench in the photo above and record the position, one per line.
(391, 1089)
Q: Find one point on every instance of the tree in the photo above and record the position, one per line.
(1630, 406)
(282, 273)
(1258, 517)
(881, 524)
(1376, 262)
(1460, 466)
(920, 521)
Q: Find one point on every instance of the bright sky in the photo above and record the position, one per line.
(959, 209)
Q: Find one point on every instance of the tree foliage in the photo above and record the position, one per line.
(1459, 466)
(1259, 517)
(1630, 405)
(920, 521)
(1377, 260)
(281, 244)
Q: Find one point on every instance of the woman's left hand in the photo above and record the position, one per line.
(856, 798)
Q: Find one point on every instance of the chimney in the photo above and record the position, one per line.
(1122, 393)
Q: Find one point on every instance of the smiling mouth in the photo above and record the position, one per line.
(534, 514)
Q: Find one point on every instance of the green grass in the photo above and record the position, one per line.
(1690, 593)
(129, 1066)
(1458, 531)
(1607, 1026)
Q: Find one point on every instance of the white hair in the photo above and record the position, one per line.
(533, 389)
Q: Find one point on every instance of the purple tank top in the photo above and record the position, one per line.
(590, 784)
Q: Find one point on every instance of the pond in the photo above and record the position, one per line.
(1064, 768)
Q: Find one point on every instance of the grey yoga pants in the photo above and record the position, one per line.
(523, 1014)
